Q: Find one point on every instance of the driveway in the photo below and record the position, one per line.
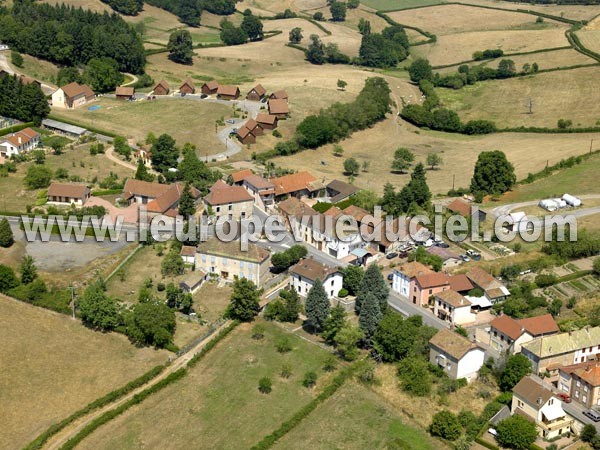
(129, 214)
(4, 65)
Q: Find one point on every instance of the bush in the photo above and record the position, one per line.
(258, 331)
(265, 385)
(330, 363)
(545, 280)
(283, 345)
(309, 380)
(343, 293)
(445, 425)
(286, 371)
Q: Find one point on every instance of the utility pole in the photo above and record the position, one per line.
(453, 179)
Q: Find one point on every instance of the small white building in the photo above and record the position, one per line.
(304, 274)
(66, 194)
(459, 357)
(18, 143)
(572, 200)
(452, 307)
(188, 254)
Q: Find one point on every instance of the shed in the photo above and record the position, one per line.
(162, 88)
(125, 92)
(62, 127)
(192, 281)
(210, 87)
(187, 87)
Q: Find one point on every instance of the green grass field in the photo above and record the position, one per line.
(218, 405)
(386, 5)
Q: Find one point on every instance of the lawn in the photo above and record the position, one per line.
(53, 366)
(186, 120)
(356, 418)
(218, 403)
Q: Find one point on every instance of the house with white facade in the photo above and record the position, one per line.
(459, 357)
(18, 143)
(67, 194)
(404, 276)
(304, 274)
(261, 189)
(452, 307)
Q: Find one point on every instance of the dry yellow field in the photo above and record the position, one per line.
(576, 12)
(53, 366)
(590, 35)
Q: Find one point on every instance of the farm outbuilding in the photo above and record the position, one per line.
(549, 204)
(162, 88)
(571, 200)
(187, 87)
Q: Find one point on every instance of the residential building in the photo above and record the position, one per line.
(160, 199)
(465, 209)
(279, 108)
(452, 307)
(232, 202)
(508, 334)
(267, 121)
(494, 290)
(536, 402)
(256, 93)
(404, 276)
(227, 260)
(449, 258)
(72, 96)
(300, 184)
(145, 154)
(460, 283)
(548, 353)
(68, 194)
(254, 128)
(238, 177)
(582, 382)
(187, 87)
(262, 190)
(18, 143)
(188, 254)
(459, 357)
(245, 136)
(226, 92)
(210, 87)
(426, 286)
(279, 95)
(192, 281)
(125, 92)
(161, 88)
(142, 192)
(304, 274)
(338, 191)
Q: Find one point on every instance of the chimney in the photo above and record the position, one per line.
(539, 401)
(20, 140)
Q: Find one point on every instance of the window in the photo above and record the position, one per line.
(585, 388)
(430, 291)
(213, 259)
(241, 265)
(250, 276)
(519, 403)
(576, 394)
(584, 399)
(578, 383)
(203, 258)
(250, 266)
(218, 209)
(224, 261)
(331, 283)
(230, 207)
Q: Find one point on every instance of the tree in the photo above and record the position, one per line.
(434, 160)
(493, 174)
(181, 47)
(346, 340)
(334, 323)
(417, 190)
(353, 4)
(232, 35)
(8, 279)
(98, 310)
(555, 306)
(370, 315)
(506, 68)
(197, 173)
(39, 156)
(151, 323)
(374, 283)
(164, 154)
(596, 266)
(315, 53)
(172, 264)
(419, 70)
(446, 425)
(364, 26)
(353, 276)
(103, 74)
(402, 159)
(38, 177)
(318, 16)
(396, 337)
(351, 167)
(338, 150)
(28, 270)
(253, 27)
(6, 235)
(16, 58)
(265, 385)
(142, 173)
(341, 84)
(516, 432)
(338, 11)
(588, 433)
(244, 301)
(317, 305)
(414, 375)
(187, 204)
(516, 368)
(296, 35)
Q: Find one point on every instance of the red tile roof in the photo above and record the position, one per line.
(240, 175)
(311, 269)
(453, 298)
(212, 85)
(460, 283)
(144, 188)
(413, 269)
(125, 91)
(292, 183)
(68, 190)
(26, 135)
(229, 194)
(259, 182)
(278, 106)
(266, 118)
(431, 280)
(536, 326)
(281, 94)
(460, 206)
(588, 371)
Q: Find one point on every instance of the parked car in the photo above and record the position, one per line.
(525, 272)
(391, 255)
(594, 415)
(428, 243)
(403, 254)
(474, 255)
(442, 244)
(203, 96)
(564, 397)
(465, 258)
(390, 277)
(230, 121)
(492, 431)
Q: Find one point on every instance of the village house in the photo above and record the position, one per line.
(210, 87)
(226, 92)
(581, 382)
(300, 184)
(428, 285)
(508, 334)
(145, 154)
(548, 353)
(232, 202)
(281, 95)
(161, 88)
(253, 126)
(452, 307)
(338, 191)
(267, 121)
(532, 400)
(307, 271)
(494, 290)
(449, 258)
(459, 357)
(187, 87)
(256, 93)
(18, 143)
(191, 282)
(142, 192)
(460, 283)
(65, 194)
(72, 96)
(262, 190)
(463, 208)
(279, 108)
(188, 254)
(125, 93)
(160, 199)
(404, 276)
(292, 208)
(239, 176)
(226, 260)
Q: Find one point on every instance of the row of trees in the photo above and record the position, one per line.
(22, 102)
(70, 36)
(251, 29)
(190, 11)
(127, 7)
(102, 74)
(470, 75)
(413, 196)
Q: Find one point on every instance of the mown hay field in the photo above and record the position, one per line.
(574, 12)
(52, 366)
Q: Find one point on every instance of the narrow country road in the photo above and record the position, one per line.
(109, 153)
(59, 439)
(134, 79)
(5, 65)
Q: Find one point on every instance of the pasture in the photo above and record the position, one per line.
(221, 394)
(568, 94)
(590, 35)
(53, 366)
(574, 12)
(387, 5)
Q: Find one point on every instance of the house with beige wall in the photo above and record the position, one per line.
(452, 307)
(582, 382)
(508, 334)
(231, 202)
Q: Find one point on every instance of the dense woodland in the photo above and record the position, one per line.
(70, 36)
(190, 11)
(23, 102)
(127, 7)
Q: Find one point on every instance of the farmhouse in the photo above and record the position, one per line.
(267, 121)
(238, 177)
(281, 95)
(465, 209)
(300, 184)
(161, 88)
(307, 271)
(226, 92)
(187, 87)
(279, 108)
(262, 190)
(72, 96)
(68, 194)
(256, 93)
(494, 290)
(536, 402)
(581, 382)
(452, 307)
(508, 334)
(145, 154)
(142, 192)
(338, 191)
(210, 87)
(232, 202)
(428, 285)
(159, 198)
(125, 93)
(403, 277)
(459, 357)
(460, 283)
(227, 260)
(449, 258)
(19, 142)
